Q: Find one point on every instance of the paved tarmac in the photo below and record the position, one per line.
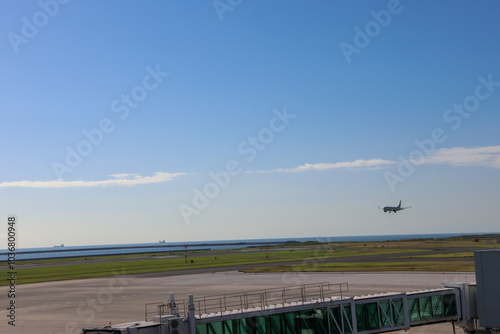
(65, 307)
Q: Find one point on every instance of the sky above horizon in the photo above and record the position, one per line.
(126, 122)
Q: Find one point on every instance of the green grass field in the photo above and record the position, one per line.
(88, 270)
(439, 266)
(349, 256)
(437, 256)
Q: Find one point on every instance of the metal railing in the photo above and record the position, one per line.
(260, 299)
(160, 309)
(263, 299)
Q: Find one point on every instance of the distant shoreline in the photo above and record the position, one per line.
(59, 249)
(132, 249)
(454, 254)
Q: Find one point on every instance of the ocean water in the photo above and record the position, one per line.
(121, 249)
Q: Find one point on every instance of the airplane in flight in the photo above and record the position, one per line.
(394, 208)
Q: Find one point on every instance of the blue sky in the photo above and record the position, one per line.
(116, 115)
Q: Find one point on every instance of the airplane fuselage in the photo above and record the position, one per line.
(394, 208)
(391, 209)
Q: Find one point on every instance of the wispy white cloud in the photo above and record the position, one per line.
(118, 180)
(123, 175)
(372, 164)
(488, 156)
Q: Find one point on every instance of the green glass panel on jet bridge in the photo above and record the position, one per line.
(340, 319)
(275, 324)
(238, 326)
(283, 323)
(420, 308)
(299, 322)
(252, 325)
(437, 306)
(260, 325)
(398, 312)
(201, 329)
(234, 326)
(413, 309)
(314, 321)
(425, 306)
(214, 327)
(288, 322)
(386, 316)
(391, 313)
(367, 316)
(432, 307)
(450, 305)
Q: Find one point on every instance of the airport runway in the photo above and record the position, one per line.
(64, 307)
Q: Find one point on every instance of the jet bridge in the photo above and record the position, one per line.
(340, 315)
(308, 309)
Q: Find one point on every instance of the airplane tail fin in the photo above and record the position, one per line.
(399, 206)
